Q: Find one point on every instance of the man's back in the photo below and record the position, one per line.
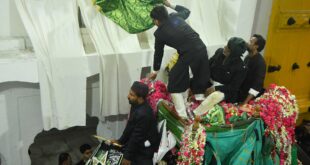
(176, 33)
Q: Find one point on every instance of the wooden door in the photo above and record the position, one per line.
(288, 49)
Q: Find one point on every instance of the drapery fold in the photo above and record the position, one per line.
(52, 26)
(110, 40)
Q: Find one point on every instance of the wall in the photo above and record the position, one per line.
(21, 120)
(22, 106)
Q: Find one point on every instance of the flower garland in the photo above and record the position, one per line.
(192, 146)
(235, 113)
(157, 91)
(190, 107)
(279, 110)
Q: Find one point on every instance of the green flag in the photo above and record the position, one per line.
(132, 15)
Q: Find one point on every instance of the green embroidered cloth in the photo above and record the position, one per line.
(242, 144)
(132, 15)
(215, 116)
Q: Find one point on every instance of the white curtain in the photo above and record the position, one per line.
(52, 26)
(228, 14)
(110, 40)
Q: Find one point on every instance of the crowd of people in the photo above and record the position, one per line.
(240, 80)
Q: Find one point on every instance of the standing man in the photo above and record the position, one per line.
(140, 137)
(175, 32)
(256, 70)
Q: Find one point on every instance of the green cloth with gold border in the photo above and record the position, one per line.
(132, 15)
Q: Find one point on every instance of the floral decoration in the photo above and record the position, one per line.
(193, 145)
(279, 111)
(157, 91)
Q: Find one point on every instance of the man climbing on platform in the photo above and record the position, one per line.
(175, 32)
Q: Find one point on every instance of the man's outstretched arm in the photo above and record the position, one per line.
(182, 11)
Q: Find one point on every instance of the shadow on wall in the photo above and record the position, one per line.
(2, 161)
(49, 144)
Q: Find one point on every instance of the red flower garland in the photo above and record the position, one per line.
(157, 91)
(279, 110)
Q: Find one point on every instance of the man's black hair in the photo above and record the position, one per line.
(84, 147)
(260, 41)
(140, 89)
(63, 157)
(237, 46)
(159, 13)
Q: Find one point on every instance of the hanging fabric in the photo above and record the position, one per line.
(109, 40)
(132, 15)
(52, 26)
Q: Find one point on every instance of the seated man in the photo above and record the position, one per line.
(85, 149)
(228, 70)
(140, 138)
(256, 70)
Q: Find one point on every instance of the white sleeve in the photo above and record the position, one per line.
(253, 92)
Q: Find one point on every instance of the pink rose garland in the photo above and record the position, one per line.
(157, 91)
(193, 146)
(279, 110)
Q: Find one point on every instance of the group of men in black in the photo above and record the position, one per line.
(240, 80)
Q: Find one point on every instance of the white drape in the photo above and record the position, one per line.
(110, 40)
(52, 26)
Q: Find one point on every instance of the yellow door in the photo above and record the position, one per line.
(288, 49)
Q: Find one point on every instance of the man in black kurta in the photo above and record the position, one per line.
(140, 138)
(175, 32)
(228, 70)
(256, 70)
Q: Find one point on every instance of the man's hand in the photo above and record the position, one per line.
(167, 3)
(152, 76)
(125, 162)
(113, 142)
